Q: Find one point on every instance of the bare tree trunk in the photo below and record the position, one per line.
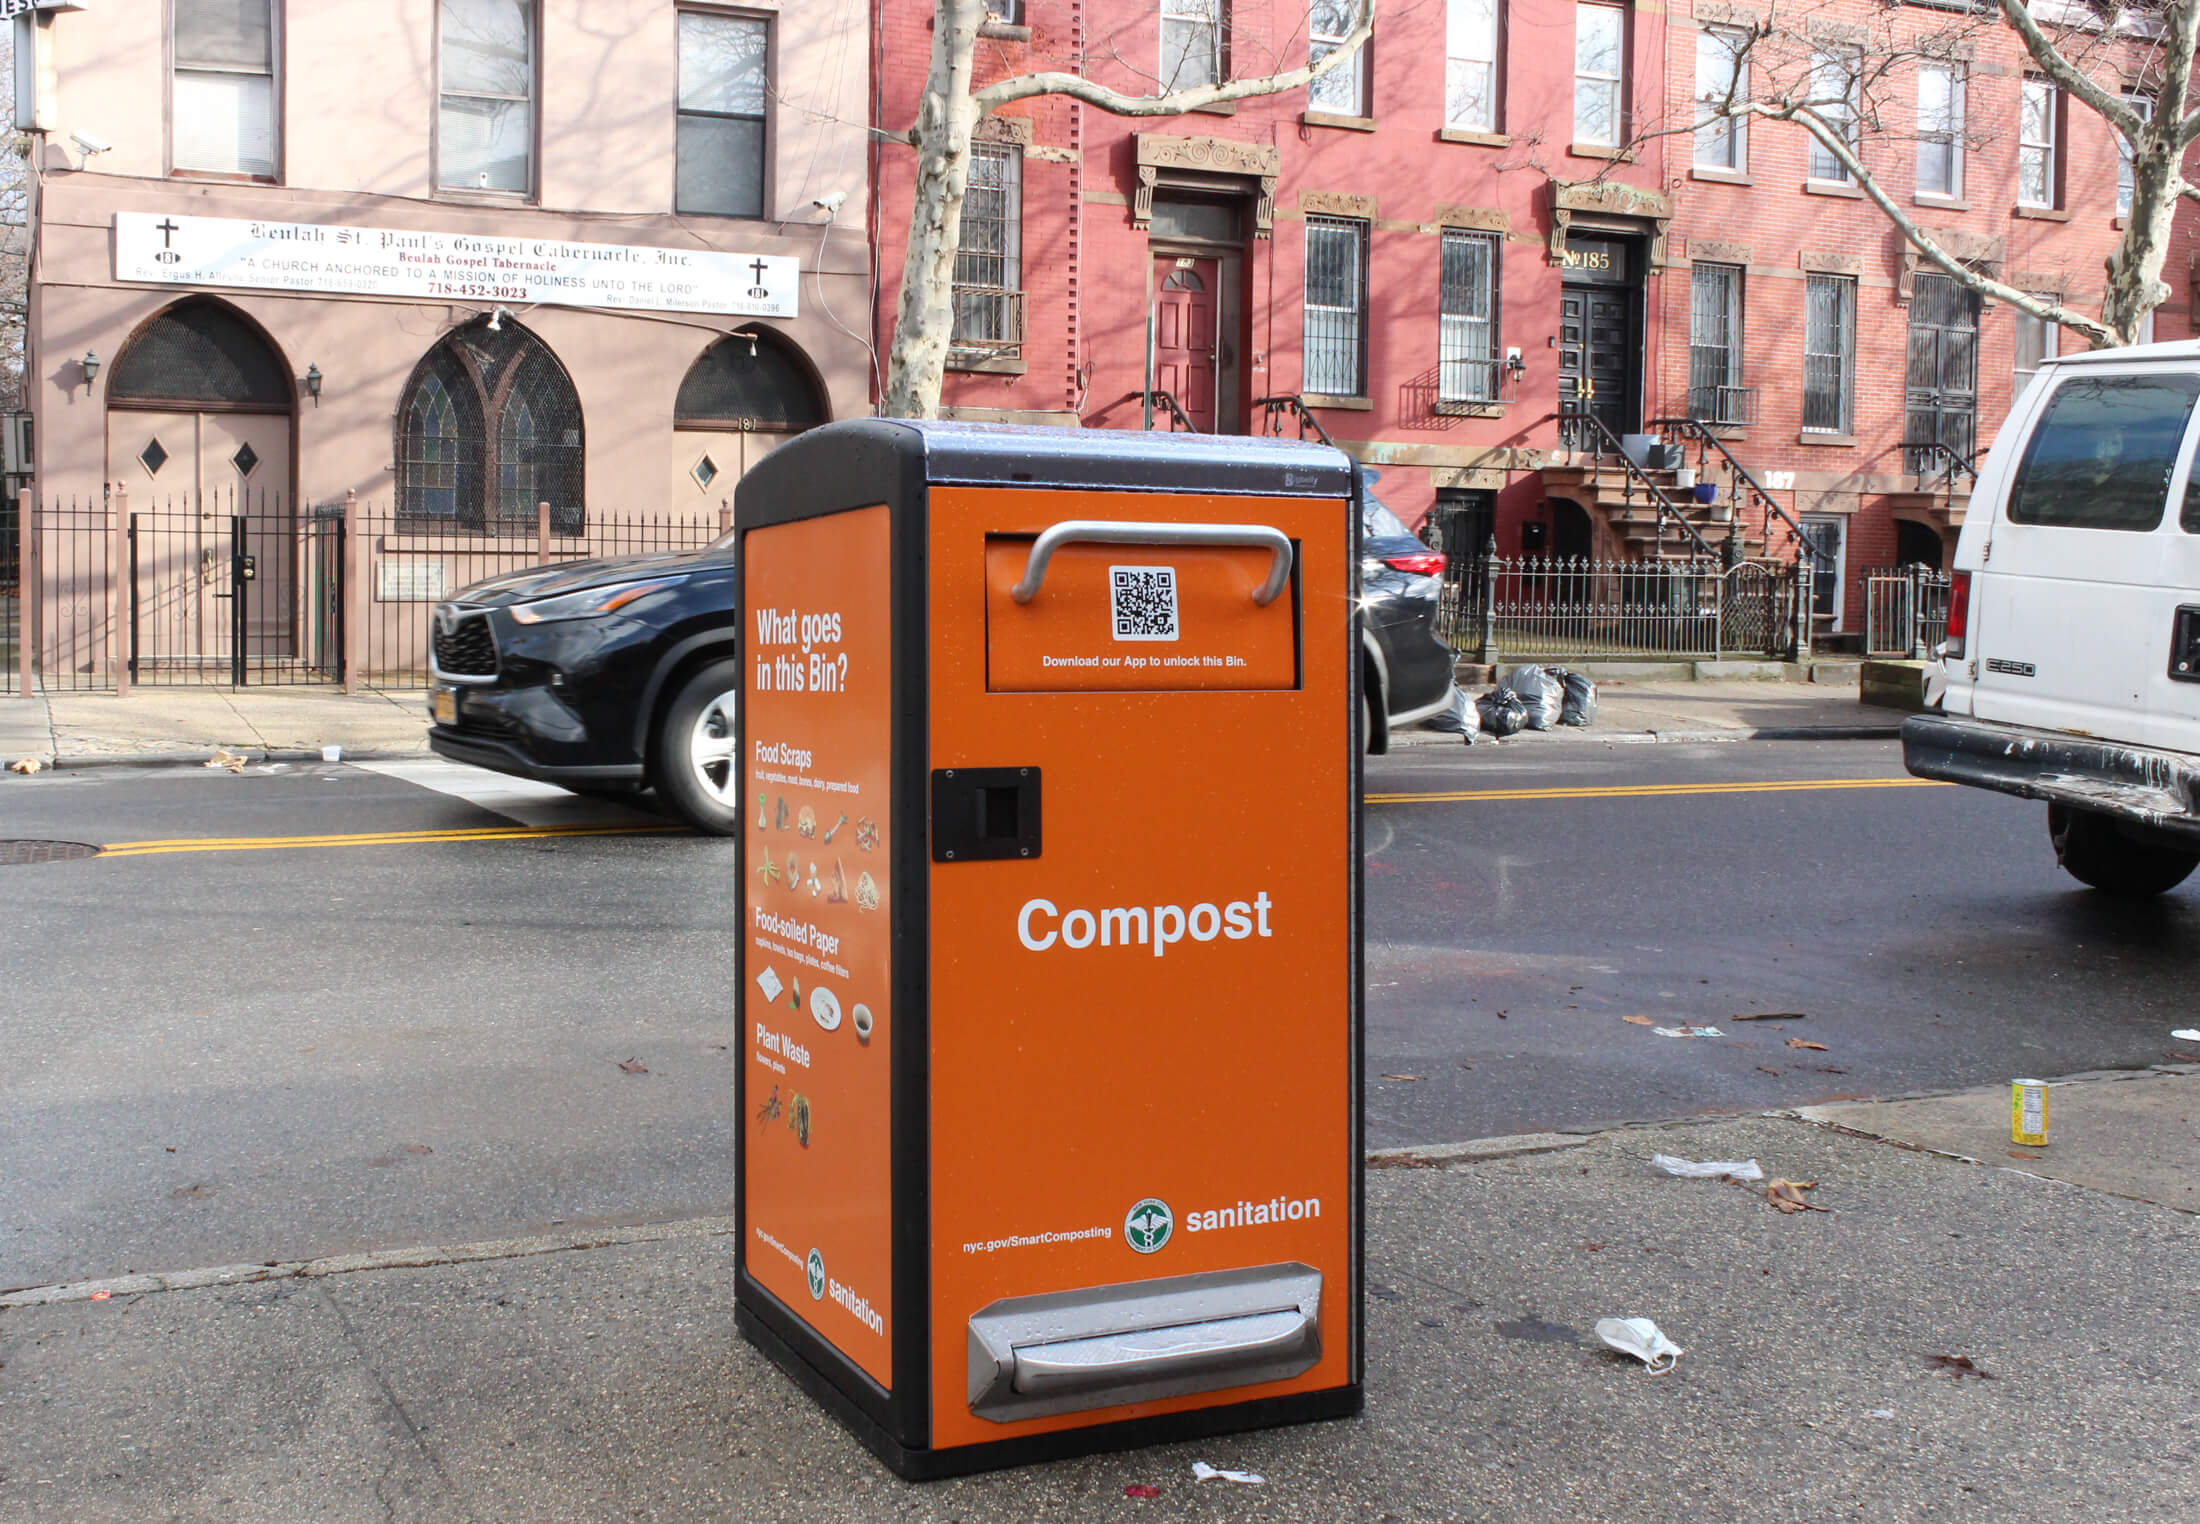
(924, 317)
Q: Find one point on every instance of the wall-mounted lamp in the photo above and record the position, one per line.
(1515, 367)
(496, 320)
(750, 335)
(90, 366)
(313, 383)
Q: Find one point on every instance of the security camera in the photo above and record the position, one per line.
(831, 203)
(90, 144)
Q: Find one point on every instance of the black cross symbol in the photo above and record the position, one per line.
(758, 267)
(167, 230)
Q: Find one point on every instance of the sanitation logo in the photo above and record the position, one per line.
(1147, 1226)
(817, 1276)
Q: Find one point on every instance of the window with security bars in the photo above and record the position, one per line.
(1722, 80)
(724, 84)
(1191, 43)
(2038, 184)
(1343, 90)
(1829, 352)
(2143, 105)
(1470, 65)
(1600, 52)
(223, 100)
(1715, 390)
(1837, 93)
(485, 127)
(490, 427)
(989, 265)
(1939, 130)
(1467, 354)
(1336, 307)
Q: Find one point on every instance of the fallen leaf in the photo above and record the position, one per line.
(1772, 1016)
(1592, 1248)
(1959, 1366)
(1641, 1021)
(418, 1148)
(1767, 1069)
(2012, 1153)
(635, 1066)
(1402, 1076)
(1830, 1069)
(1787, 1195)
(1141, 1490)
(25, 765)
(1804, 1042)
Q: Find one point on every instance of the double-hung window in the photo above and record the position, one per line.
(1939, 130)
(2144, 105)
(2037, 342)
(1836, 92)
(1715, 392)
(725, 80)
(1343, 90)
(1470, 65)
(224, 97)
(1467, 305)
(1336, 306)
(1191, 43)
(1600, 71)
(989, 263)
(485, 131)
(2036, 177)
(1829, 352)
(1722, 80)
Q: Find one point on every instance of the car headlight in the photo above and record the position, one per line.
(587, 604)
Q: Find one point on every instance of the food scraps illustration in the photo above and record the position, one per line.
(805, 822)
(866, 892)
(837, 892)
(782, 812)
(767, 870)
(866, 835)
(769, 1111)
(798, 1117)
(843, 820)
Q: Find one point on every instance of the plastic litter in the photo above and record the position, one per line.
(1541, 694)
(1709, 1169)
(1688, 1031)
(1880, 1413)
(1501, 712)
(1458, 718)
(332, 754)
(1579, 706)
(2186, 1034)
(1141, 1490)
(1202, 1472)
(1641, 1338)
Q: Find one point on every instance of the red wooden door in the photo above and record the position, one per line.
(1184, 334)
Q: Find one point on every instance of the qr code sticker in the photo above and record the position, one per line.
(1142, 601)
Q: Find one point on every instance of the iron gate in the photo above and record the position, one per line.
(251, 598)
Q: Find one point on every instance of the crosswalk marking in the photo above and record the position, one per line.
(516, 799)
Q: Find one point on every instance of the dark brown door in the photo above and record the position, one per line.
(1184, 328)
(1596, 354)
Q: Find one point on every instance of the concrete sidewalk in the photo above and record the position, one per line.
(587, 1378)
(1706, 710)
(189, 724)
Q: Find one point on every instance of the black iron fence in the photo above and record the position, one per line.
(250, 589)
(1905, 611)
(1559, 606)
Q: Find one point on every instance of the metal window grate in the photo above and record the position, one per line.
(1468, 327)
(1829, 351)
(989, 262)
(1336, 306)
(199, 350)
(1715, 390)
(748, 381)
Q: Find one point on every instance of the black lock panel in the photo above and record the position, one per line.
(2184, 646)
(984, 813)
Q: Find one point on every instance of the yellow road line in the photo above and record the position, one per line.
(370, 839)
(1656, 790)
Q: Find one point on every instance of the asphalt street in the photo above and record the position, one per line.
(326, 1008)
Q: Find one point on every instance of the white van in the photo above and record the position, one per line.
(2072, 667)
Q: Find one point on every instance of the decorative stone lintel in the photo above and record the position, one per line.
(1842, 32)
(1002, 129)
(1609, 198)
(2056, 283)
(1717, 13)
(1336, 204)
(1830, 262)
(1974, 250)
(1453, 216)
(1259, 162)
(1718, 251)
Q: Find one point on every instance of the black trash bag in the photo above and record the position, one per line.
(1539, 693)
(1580, 707)
(1458, 718)
(1501, 712)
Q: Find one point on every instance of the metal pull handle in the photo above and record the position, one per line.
(1108, 532)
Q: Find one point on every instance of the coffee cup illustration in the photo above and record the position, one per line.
(861, 1017)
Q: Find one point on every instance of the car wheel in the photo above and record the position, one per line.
(1371, 695)
(2092, 851)
(696, 771)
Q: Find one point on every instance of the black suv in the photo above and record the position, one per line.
(601, 677)
(1405, 669)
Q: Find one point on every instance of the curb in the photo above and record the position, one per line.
(1688, 737)
(198, 758)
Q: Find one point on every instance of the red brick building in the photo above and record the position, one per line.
(1490, 211)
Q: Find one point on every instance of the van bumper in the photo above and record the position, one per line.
(2157, 792)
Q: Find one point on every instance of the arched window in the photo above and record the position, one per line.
(200, 355)
(748, 382)
(490, 426)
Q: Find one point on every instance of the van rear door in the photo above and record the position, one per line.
(2064, 632)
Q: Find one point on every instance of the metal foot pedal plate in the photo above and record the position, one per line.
(1069, 1351)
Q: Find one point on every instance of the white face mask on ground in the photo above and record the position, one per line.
(1641, 1338)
